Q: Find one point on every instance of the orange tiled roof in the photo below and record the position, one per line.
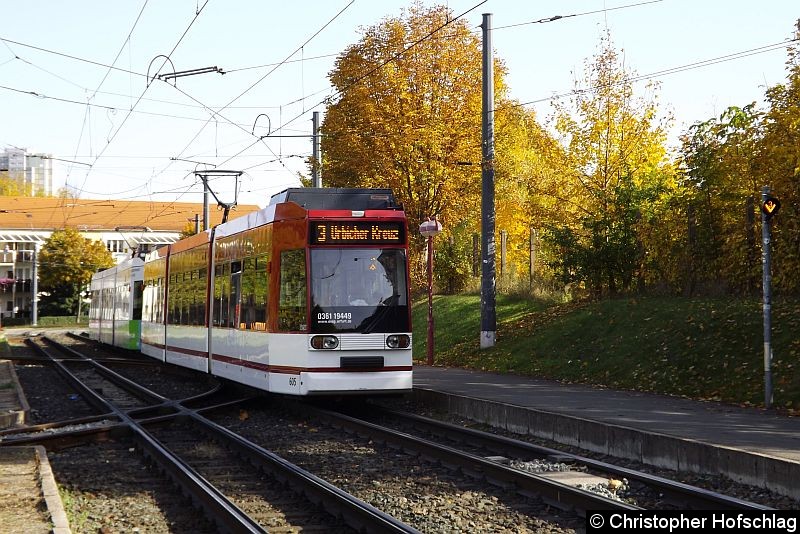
(35, 213)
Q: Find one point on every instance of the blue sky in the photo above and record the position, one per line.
(131, 151)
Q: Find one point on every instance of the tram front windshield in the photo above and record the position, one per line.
(358, 290)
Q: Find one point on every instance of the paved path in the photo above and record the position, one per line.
(751, 429)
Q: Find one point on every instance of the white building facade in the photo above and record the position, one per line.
(34, 172)
(19, 248)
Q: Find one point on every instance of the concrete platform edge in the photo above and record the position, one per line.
(23, 401)
(52, 498)
(659, 450)
(16, 415)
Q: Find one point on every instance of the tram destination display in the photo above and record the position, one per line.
(357, 232)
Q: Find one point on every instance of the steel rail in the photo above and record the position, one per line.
(221, 511)
(358, 514)
(53, 425)
(60, 440)
(560, 495)
(678, 491)
(125, 383)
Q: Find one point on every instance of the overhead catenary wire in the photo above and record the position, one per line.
(641, 77)
(259, 139)
(672, 70)
(370, 72)
(560, 17)
(250, 88)
(644, 77)
(105, 77)
(183, 35)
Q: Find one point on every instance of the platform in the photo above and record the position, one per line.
(749, 445)
(14, 408)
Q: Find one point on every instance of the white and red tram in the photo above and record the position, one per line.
(306, 296)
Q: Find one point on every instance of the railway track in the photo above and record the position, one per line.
(366, 469)
(177, 462)
(526, 456)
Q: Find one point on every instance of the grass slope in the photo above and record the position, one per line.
(700, 348)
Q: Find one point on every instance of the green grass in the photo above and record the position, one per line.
(699, 348)
(77, 518)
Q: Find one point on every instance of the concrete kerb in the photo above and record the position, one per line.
(52, 498)
(16, 412)
(777, 474)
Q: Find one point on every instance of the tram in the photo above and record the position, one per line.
(308, 296)
(115, 314)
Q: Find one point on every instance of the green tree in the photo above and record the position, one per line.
(719, 158)
(779, 167)
(726, 160)
(66, 264)
(617, 167)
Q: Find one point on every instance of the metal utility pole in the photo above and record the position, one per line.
(532, 259)
(316, 169)
(430, 229)
(488, 313)
(205, 203)
(35, 288)
(769, 207)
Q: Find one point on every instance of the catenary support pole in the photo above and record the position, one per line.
(206, 214)
(35, 288)
(316, 169)
(488, 312)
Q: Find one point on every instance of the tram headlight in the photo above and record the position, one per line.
(398, 341)
(325, 342)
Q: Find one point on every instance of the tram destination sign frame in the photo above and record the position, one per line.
(357, 233)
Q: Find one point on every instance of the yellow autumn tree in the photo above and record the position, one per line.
(530, 166)
(12, 186)
(407, 115)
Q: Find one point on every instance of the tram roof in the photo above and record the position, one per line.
(337, 198)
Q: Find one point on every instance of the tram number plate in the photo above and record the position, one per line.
(293, 381)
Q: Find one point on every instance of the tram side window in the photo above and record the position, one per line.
(107, 300)
(147, 305)
(261, 291)
(138, 291)
(174, 291)
(177, 302)
(160, 301)
(247, 303)
(200, 297)
(186, 297)
(118, 303)
(292, 298)
(194, 301)
(235, 294)
(221, 289)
